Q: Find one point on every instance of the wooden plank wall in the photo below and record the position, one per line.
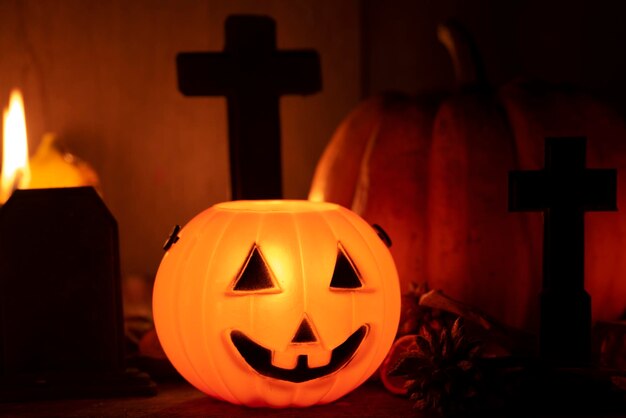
(101, 74)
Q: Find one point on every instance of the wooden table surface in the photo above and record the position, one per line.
(179, 399)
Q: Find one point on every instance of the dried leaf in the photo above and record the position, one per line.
(465, 365)
(424, 345)
(444, 343)
(460, 343)
(433, 339)
(457, 328)
(421, 405)
(474, 349)
(407, 365)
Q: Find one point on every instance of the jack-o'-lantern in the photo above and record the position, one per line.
(276, 303)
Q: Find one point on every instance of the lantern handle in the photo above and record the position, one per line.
(172, 239)
(382, 234)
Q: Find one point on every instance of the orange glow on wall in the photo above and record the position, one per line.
(277, 303)
(49, 167)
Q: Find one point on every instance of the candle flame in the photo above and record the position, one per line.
(15, 169)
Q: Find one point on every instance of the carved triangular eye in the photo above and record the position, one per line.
(255, 275)
(345, 275)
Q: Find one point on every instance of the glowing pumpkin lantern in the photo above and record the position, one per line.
(277, 303)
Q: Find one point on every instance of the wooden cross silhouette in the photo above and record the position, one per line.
(252, 74)
(564, 191)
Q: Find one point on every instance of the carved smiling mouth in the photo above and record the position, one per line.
(260, 358)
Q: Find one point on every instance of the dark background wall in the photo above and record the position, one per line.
(101, 75)
(582, 42)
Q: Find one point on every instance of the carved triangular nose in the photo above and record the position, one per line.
(305, 333)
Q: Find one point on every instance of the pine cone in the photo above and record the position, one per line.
(414, 316)
(441, 370)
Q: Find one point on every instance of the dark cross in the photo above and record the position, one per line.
(564, 191)
(252, 74)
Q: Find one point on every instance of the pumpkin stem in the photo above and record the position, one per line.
(468, 65)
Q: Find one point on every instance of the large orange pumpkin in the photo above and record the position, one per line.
(438, 185)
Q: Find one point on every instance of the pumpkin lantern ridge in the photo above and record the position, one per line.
(289, 338)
